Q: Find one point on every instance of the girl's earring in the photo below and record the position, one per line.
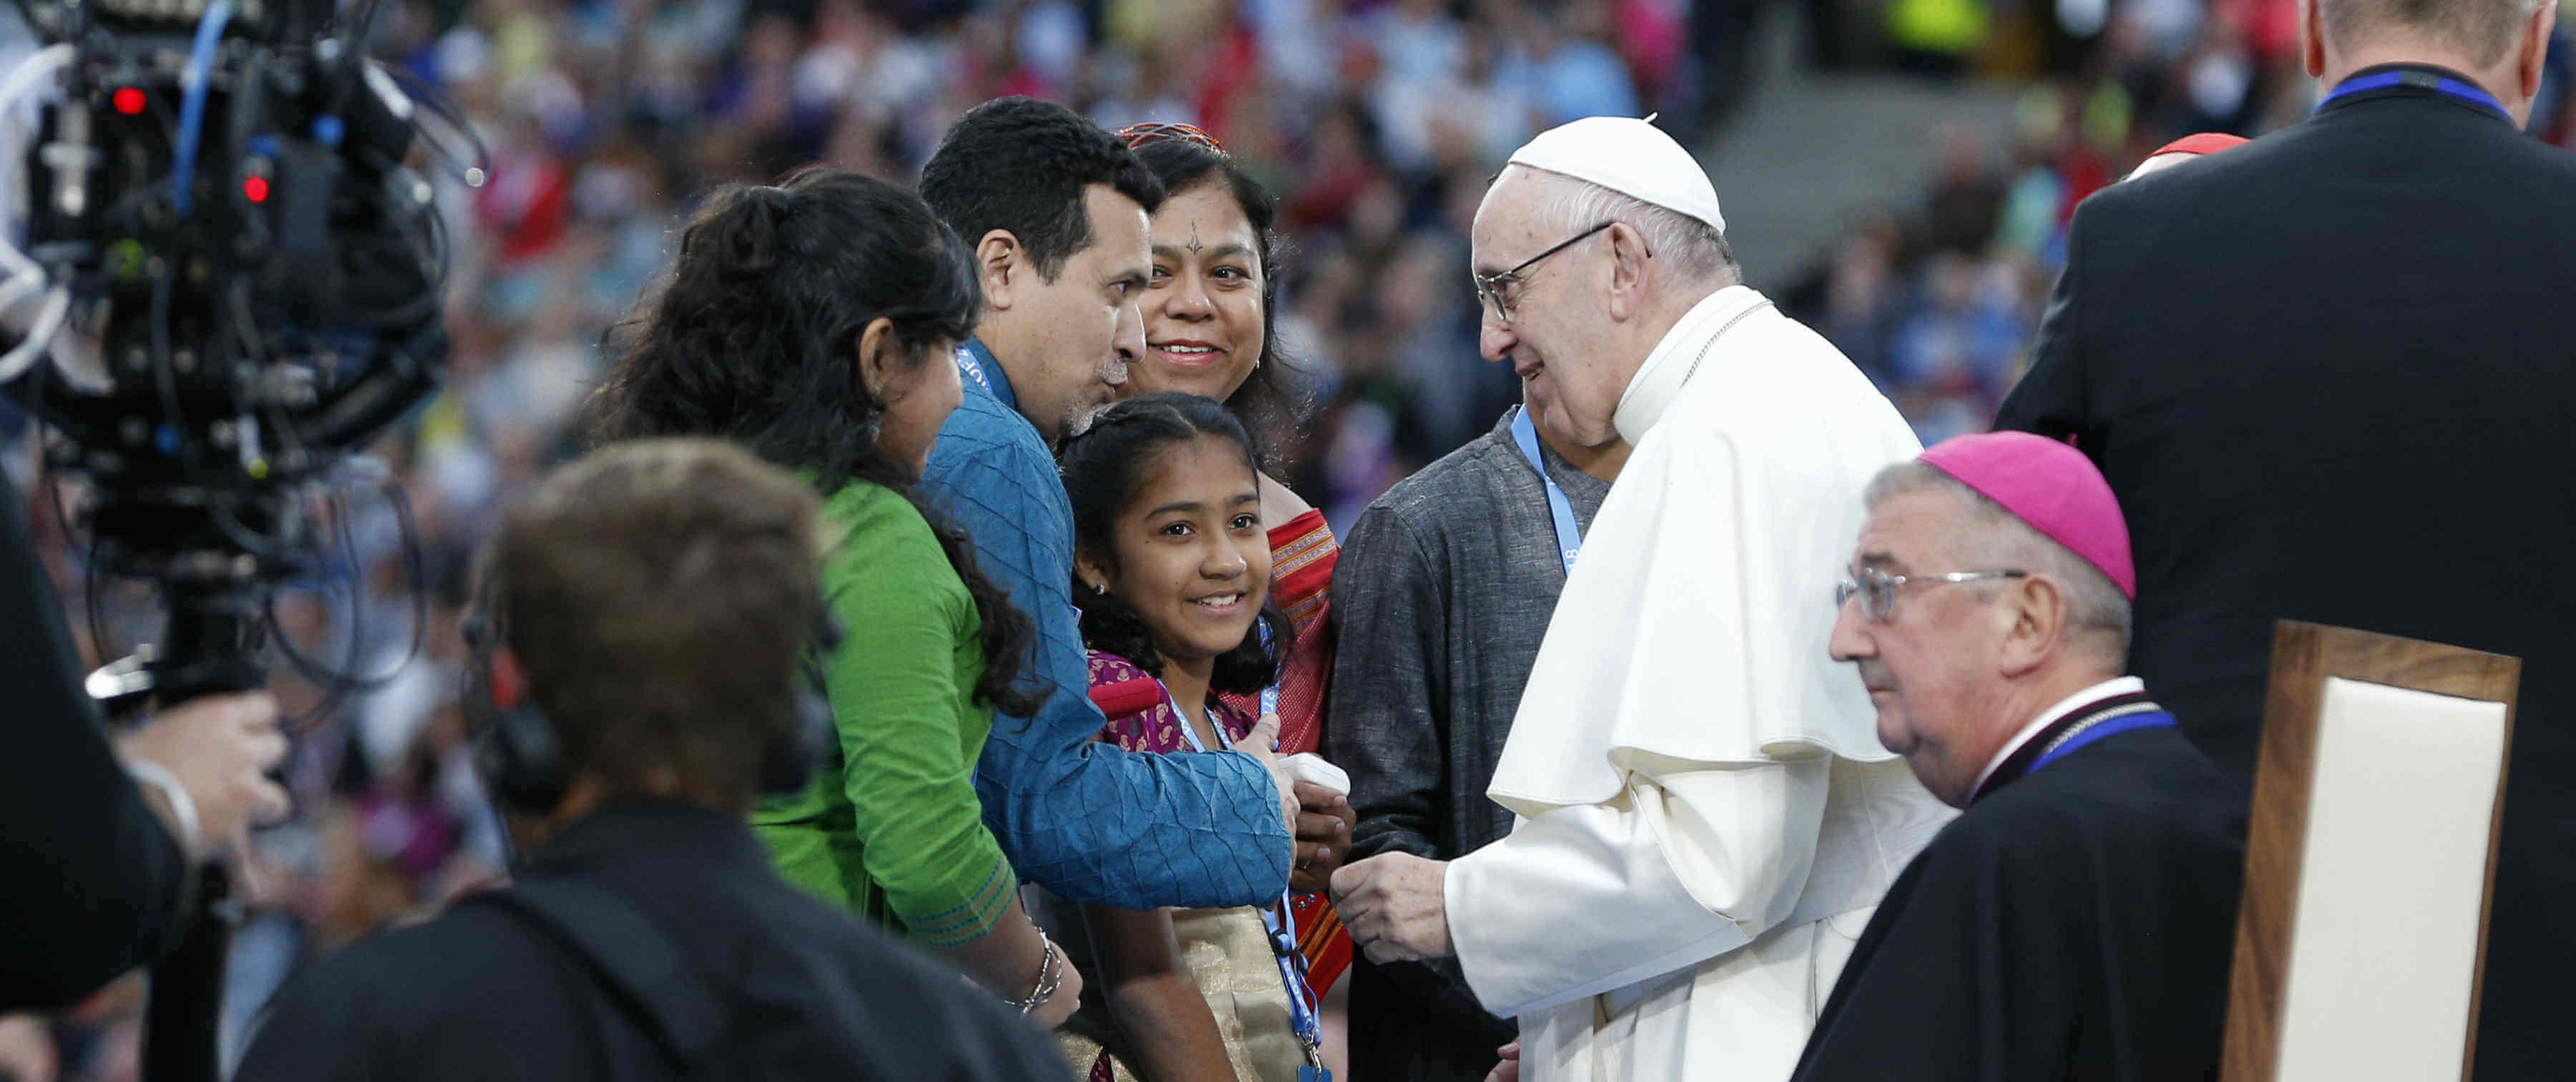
(1099, 588)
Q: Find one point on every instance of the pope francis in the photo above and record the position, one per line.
(1706, 818)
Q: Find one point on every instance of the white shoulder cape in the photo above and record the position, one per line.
(1693, 630)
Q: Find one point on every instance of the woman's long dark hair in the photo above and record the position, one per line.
(1270, 402)
(754, 337)
(1103, 469)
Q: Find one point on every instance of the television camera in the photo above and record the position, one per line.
(230, 281)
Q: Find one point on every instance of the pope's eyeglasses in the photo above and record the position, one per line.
(1494, 290)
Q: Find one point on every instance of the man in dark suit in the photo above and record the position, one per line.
(2331, 375)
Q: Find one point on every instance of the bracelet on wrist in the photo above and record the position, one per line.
(1050, 977)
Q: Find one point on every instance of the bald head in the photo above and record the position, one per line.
(2484, 31)
(2498, 44)
(2159, 163)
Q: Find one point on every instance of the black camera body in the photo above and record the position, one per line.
(235, 280)
(221, 195)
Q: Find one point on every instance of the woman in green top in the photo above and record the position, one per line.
(814, 322)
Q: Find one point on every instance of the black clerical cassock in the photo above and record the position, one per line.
(2074, 923)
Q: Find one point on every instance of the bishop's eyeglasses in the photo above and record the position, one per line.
(1877, 589)
(1496, 291)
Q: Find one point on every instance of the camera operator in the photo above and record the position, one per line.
(643, 621)
(97, 852)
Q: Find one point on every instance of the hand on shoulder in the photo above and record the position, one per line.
(1279, 504)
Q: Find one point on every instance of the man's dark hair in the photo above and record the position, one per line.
(2484, 29)
(1103, 469)
(1021, 165)
(660, 596)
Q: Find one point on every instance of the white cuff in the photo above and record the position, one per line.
(182, 807)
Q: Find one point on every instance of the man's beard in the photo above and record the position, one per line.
(1080, 418)
(1083, 414)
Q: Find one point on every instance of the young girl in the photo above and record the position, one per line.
(1211, 329)
(1172, 573)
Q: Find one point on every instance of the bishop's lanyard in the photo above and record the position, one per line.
(1569, 536)
(2468, 92)
(2113, 725)
(971, 368)
(1280, 922)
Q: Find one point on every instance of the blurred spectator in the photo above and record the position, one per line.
(1564, 60)
(1954, 354)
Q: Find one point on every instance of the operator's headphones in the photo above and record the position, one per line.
(522, 762)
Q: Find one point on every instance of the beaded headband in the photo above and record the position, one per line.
(1139, 136)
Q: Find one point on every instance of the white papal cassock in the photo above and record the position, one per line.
(1707, 817)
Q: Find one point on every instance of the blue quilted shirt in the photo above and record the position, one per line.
(1086, 820)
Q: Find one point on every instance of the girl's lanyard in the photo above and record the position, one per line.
(1569, 536)
(1269, 694)
(1282, 926)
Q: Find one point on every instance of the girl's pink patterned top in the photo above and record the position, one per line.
(1158, 729)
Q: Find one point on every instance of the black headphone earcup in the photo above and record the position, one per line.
(514, 746)
(521, 760)
(787, 765)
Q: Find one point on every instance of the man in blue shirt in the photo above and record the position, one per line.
(1054, 210)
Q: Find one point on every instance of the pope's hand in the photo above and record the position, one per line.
(1394, 906)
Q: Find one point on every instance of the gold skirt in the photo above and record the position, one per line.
(1228, 955)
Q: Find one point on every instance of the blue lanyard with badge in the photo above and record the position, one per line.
(1302, 1009)
(1569, 535)
(973, 369)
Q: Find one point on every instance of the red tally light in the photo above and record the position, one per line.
(128, 101)
(255, 189)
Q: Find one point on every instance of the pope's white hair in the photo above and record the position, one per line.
(1693, 250)
(1985, 537)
